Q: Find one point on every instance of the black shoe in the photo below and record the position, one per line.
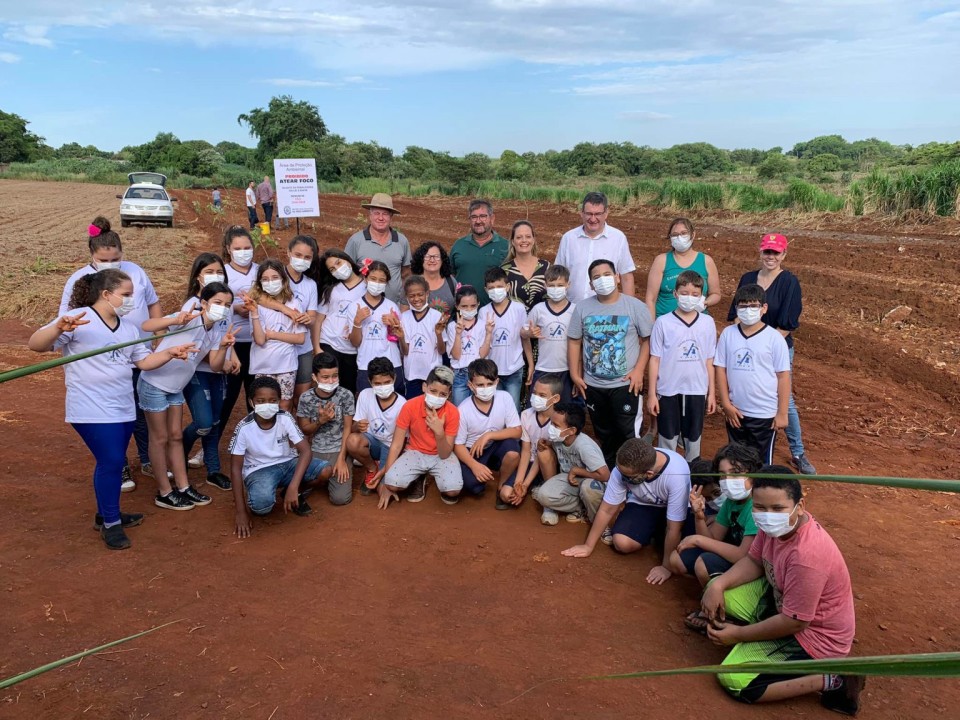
(846, 698)
(173, 501)
(418, 490)
(193, 496)
(501, 505)
(364, 490)
(114, 537)
(449, 500)
(219, 481)
(302, 509)
(126, 520)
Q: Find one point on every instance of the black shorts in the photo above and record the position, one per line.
(757, 433)
(681, 416)
(647, 524)
(714, 564)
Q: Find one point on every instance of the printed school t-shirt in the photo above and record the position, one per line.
(506, 349)
(532, 431)
(262, 448)
(276, 356)
(553, 336)
(413, 420)
(239, 283)
(221, 327)
(305, 293)
(670, 489)
(329, 436)
(737, 517)
(583, 453)
(338, 312)
(144, 294)
(100, 388)
(610, 334)
(752, 364)
(474, 422)
(382, 419)
(421, 335)
(373, 332)
(470, 341)
(174, 376)
(810, 583)
(683, 350)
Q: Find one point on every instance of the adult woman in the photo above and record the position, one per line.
(525, 269)
(660, 298)
(784, 305)
(432, 262)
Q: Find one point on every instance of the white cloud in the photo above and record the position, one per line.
(29, 34)
(8, 57)
(643, 115)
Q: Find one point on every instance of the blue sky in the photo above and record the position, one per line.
(488, 75)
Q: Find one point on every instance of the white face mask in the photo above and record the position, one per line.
(717, 502)
(328, 387)
(485, 393)
(107, 265)
(376, 288)
(749, 315)
(418, 308)
(689, 303)
(434, 402)
(216, 313)
(212, 278)
(343, 271)
(497, 295)
(267, 410)
(735, 488)
(681, 243)
(383, 391)
(605, 284)
(556, 293)
(554, 433)
(272, 287)
(300, 265)
(242, 257)
(539, 404)
(126, 305)
(468, 314)
(775, 524)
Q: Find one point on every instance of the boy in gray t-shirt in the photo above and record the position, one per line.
(574, 465)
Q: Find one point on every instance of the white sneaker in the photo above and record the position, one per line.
(197, 460)
(549, 517)
(127, 484)
(577, 517)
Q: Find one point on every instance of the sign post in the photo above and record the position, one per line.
(297, 194)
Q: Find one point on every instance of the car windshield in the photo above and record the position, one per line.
(146, 194)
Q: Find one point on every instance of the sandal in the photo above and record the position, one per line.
(371, 474)
(696, 621)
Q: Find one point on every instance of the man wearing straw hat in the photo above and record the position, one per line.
(380, 241)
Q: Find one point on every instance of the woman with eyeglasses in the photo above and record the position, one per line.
(432, 262)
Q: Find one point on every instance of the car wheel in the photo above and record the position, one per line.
(124, 223)
(170, 223)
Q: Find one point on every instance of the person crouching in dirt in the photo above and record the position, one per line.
(790, 598)
(655, 484)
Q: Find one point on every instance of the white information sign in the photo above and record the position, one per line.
(296, 188)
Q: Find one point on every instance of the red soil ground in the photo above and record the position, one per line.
(429, 611)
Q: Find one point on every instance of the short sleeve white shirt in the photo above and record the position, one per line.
(577, 250)
(144, 294)
(262, 448)
(172, 377)
(470, 341)
(421, 335)
(553, 336)
(752, 364)
(382, 419)
(532, 431)
(275, 356)
(670, 489)
(374, 332)
(506, 349)
(305, 293)
(240, 282)
(683, 351)
(338, 314)
(220, 328)
(474, 423)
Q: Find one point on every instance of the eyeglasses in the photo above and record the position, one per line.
(595, 214)
(431, 257)
(479, 217)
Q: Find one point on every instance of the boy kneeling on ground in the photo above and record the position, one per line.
(260, 451)
(575, 466)
(790, 598)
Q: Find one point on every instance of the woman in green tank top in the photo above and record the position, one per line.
(667, 266)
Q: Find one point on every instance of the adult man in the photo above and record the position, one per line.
(474, 254)
(252, 205)
(380, 241)
(265, 196)
(593, 240)
(607, 350)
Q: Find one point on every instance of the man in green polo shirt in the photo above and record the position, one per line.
(474, 254)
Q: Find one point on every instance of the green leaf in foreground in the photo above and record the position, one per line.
(67, 660)
(923, 665)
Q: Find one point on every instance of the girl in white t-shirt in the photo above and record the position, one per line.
(237, 252)
(106, 252)
(422, 342)
(276, 337)
(340, 287)
(161, 390)
(99, 401)
(375, 325)
(466, 340)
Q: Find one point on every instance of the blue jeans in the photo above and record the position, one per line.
(108, 443)
(793, 431)
(460, 390)
(262, 484)
(155, 400)
(204, 395)
(140, 434)
(252, 216)
(513, 384)
(378, 451)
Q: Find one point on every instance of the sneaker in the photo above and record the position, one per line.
(846, 698)
(126, 520)
(578, 516)
(803, 465)
(147, 469)
(549, 517)
(607, 537)
(364, 490)
(114, 537)
(501, 505)
(127, 484)
(193, 496)
(418, 490)
(173, 501)
(449, 500)
(197, 459)
(219, 481)
(303, 509)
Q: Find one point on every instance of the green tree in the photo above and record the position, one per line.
(774, 165)
(17, 144)
(423, 162)
(511, 166)
(283, 121)
(696, 159)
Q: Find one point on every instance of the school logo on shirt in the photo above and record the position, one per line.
(343, 307)
(283, 439)
(117, 357)
(379, 427)
(419, 343)
(689, 352)
(605, 350)
(557, 331)
(501, 336)
(743, 360)
(375, 331)
(466, 344)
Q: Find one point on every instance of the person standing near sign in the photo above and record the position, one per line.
(380, 241)
(265, 195)
(252, 205)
